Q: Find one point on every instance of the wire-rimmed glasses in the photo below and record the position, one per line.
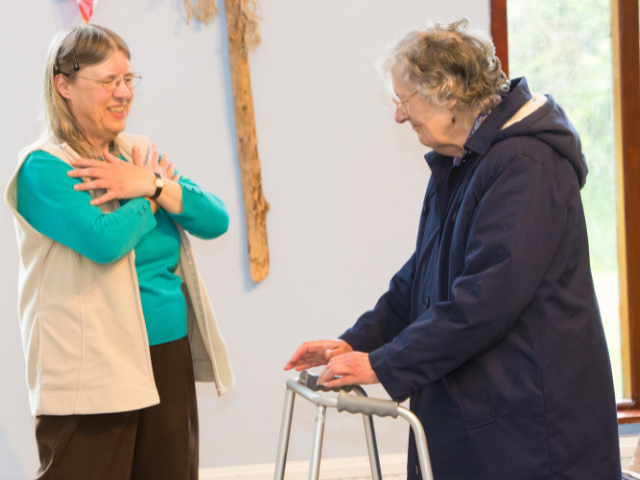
(111, 82)
(402, 104)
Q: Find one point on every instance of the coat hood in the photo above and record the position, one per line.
(522, 113)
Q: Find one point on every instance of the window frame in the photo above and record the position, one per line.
(625, 36)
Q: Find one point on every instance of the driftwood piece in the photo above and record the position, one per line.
(255, 205)
(202, 10)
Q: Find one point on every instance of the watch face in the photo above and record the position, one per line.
(159, 183)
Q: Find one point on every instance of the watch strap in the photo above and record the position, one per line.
(158, 188)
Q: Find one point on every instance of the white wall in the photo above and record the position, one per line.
(344, 181)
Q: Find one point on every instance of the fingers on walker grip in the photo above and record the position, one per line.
(367, 406)
(311, 382)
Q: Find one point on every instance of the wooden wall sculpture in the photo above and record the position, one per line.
(244, 36)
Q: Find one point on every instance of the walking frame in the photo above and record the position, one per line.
(306, 386)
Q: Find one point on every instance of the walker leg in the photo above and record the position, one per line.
(316, 452)
(285, 432)
(372, 447)
(421, 442)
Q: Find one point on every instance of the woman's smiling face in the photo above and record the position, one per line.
(102, 114)
(431, 122)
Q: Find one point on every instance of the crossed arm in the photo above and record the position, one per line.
(123, 180)
(508, 252)
(57, 204)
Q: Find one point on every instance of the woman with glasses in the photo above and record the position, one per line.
(116, 322)
(491, 328)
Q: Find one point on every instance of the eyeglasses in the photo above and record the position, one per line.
(111, 82)
(402, 104)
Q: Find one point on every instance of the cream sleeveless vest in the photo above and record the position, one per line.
(83, 331)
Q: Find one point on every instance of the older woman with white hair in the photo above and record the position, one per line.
(116, 322)
(492, 327)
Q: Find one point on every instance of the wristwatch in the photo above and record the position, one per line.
(159, 184)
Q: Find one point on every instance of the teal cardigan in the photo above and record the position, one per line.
(48, 201)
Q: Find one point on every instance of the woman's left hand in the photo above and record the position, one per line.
(171, 197)
(156, 164)
(353, 368)
(120, 179)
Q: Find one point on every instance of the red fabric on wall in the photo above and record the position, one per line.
(86, 8)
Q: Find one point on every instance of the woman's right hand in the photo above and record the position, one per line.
(314, 354)
(119, 179)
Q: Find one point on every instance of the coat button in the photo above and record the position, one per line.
(417, 470)
(426, 303)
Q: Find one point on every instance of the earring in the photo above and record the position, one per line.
(453, 119)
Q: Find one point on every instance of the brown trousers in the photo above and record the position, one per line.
(154, 443)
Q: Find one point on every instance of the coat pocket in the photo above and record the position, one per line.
(473, 399)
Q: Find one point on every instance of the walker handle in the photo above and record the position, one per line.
(367, 406)
(311, 382)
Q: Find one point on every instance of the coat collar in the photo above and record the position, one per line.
(519, 94)
(482, 139)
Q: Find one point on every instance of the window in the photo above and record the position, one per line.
(586, 54)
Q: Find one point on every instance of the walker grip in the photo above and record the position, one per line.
(367, 406)
(311, 382)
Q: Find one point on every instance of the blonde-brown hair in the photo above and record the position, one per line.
(443, 61)
(72, 49)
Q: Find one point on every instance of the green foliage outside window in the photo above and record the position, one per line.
(563, 48)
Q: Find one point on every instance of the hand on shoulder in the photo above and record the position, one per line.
(123, 180)
(119, 179)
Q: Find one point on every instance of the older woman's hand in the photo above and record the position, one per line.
(313, 354)
(353, 369)
(119, 179)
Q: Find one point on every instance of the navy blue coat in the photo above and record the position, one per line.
(492, 327)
